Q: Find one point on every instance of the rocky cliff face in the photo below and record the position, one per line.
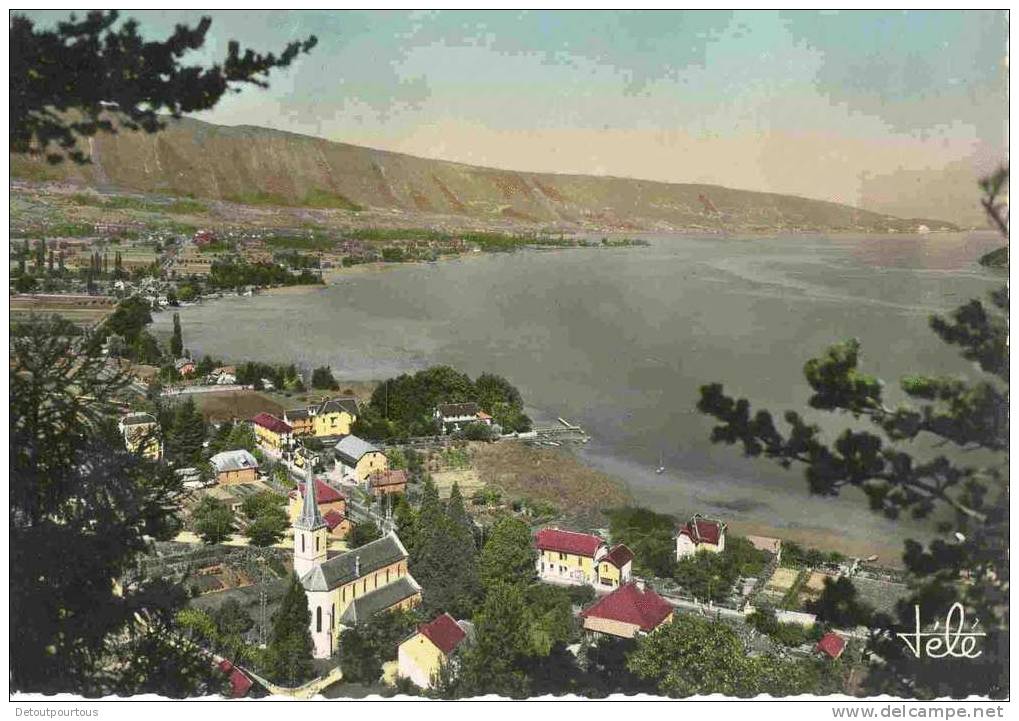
(257, 166)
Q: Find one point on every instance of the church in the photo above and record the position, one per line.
(349, 588)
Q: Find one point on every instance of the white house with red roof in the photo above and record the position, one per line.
(700, 534)
(420, 656)
(627, 612)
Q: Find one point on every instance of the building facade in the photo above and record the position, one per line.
(141, 435)
(357, 459)
(700, 534)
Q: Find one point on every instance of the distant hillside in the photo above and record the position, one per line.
(257, 166)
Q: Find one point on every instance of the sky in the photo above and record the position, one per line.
(828, 104)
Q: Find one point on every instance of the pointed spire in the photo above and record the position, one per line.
(310, 518)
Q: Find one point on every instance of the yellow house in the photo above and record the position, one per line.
(568, 556)
(357, 459)
(352, 587)
(272, 434)
(141, 435)
(421, 656)
(615, 567)
(333, 417)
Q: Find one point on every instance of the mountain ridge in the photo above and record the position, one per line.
(262, 166)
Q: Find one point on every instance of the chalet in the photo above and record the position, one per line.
(451, 417)
(350, 588)
(381, 483)
(234, 467)
(273, 434)
(421, 655)
(357, 459)
(568, 557)
(141, 434)
(700, 534)
(627, 612)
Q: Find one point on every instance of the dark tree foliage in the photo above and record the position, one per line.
(404, 406)
(322, 378)
(362, 533)
(213, 521)
(97, 74)
(365, 647)
(82, 508)
(947, 449)
(287, 658)
(184, 431)
(230, 274)
(650, 535)
(177, 339)
(839, 604)
(444, 559)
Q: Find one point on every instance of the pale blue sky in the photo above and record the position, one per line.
(785, 101)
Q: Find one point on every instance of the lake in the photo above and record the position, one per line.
(620, 340)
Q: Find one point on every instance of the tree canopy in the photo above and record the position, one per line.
(98, 73)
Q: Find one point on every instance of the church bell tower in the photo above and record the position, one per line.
(310, 530)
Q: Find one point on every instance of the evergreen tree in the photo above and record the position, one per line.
(60, 262)
(406, 520)
(49, 262)
(82, 508)
(288, 655)
(138, 80)
(177, 339)
(444, 558)
(184, 430)
(508, 555)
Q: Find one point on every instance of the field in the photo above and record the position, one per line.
(467, 480)
(227, 405)
(22, 307)
(552, 476)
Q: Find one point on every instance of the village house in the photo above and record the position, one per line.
(332, 417)
(453, 416)
(381, 483)
(580, 558)
(700, 534)
(627, 612)
(420, 656)
(352, 587)
(615, 567)
(141, 435)
(357, 459)
(234, 467)
(331, 504)
(272, 434)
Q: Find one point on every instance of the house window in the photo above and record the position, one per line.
(344, 594)
(318, 618)
(316, 544)
(562, 556)
(387, 575)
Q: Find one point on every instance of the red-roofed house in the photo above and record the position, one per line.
(568, 556)
(272, 433)
(421, 656)
(240, 684)
(387, 481)
(331, 504)
(700, 534)
(831, 644)
(615, 567)
(627, 611)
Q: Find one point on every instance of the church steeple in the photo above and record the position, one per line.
(310, 530)
(310, 518)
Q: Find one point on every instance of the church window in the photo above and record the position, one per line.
(316, 544)
(318, 618)
(302, 543)
(332, 615)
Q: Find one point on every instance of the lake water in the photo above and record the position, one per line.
(619, 340)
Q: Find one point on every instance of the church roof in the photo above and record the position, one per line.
(354, 564)
(364, 607)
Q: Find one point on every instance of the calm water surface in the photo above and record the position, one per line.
(620, 340)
